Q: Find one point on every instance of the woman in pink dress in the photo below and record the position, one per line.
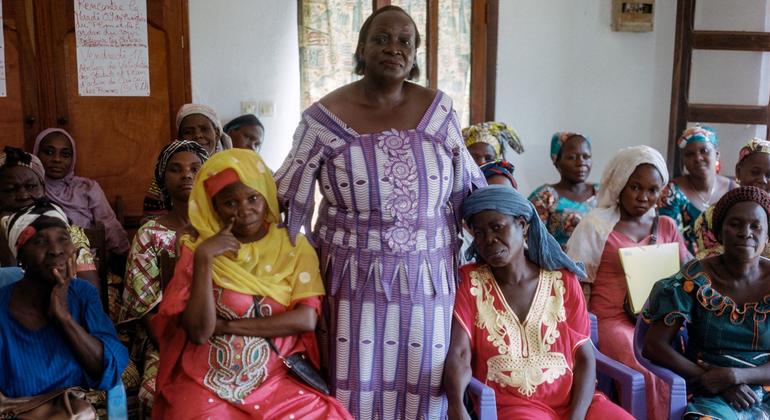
(238, 285)
(625, 217)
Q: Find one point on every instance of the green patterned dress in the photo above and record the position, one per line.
(720, 333)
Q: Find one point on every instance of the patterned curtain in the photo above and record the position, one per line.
(328, 33)
(418, 10)
(454, 54)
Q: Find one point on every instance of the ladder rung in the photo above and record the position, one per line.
(728, 114)
(731, 40)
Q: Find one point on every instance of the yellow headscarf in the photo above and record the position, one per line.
(270, 266)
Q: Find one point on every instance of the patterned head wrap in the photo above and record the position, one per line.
(23, 225)
(698, 134)
(542, 248)
(164, 157)
(559, 138)
(225, 142)
(754, 145)
(499, 167)
(13, 156)
(587, 241)
(271, 266)
(495, 134)
(735, 196)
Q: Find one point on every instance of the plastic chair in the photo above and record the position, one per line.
(116, 403)
(675, 382)
(630, 382)
(486, 397)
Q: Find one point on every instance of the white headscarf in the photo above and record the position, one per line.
(18, 226)
(587, 241)
(225, 142)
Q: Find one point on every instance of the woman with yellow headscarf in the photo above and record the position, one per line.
(237, 285)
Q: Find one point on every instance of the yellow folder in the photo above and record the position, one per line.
(644, 265)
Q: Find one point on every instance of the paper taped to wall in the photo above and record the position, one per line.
(112, 52)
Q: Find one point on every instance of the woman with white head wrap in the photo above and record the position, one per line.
(625, 217)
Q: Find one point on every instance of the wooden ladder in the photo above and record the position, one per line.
(682, 110)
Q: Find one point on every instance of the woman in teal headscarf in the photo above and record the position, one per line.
(687, 196)
(561, 206)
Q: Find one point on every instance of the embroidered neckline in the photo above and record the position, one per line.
(524, 359)
(713, 300)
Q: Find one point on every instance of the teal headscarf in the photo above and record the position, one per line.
(698, 134)
(542, 248)
(559, 138)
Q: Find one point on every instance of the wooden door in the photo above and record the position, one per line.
(19, 109)
(119, 138)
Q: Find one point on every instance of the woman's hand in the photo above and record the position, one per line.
(740, 396)
(716, 379)
(221, 243)
(57, 307)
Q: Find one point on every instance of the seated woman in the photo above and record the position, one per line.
(22, 181)
(752, 170)
(81, 198)
(499, 172)
(246, 132)
(486, 142)
(53, 331)
(561, 206)
(198, 123)
(238, 285)
(724, 301)
(520, 322)
(624, 217)
(685, 197)
(175, 170)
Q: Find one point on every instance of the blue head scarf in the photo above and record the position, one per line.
(543, 249)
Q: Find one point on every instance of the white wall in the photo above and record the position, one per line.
(561, 67)
(247, 50)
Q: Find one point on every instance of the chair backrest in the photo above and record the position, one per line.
(166, 263)
(677, 385)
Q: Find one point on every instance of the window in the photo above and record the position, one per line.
(457, 55)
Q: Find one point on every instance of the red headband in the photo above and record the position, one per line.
(217, 182)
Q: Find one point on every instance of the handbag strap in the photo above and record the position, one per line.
(654, 229)
(269, 341)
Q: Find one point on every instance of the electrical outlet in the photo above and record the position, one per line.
(266, 108)
(248, 107)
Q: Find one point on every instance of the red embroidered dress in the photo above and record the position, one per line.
(528, 363)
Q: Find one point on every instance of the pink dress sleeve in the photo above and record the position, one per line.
(669, 233)
(465, 304)
(576, 311)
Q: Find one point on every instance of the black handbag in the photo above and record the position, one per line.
(299, 365)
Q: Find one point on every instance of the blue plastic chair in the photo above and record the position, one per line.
(677, 384)
(486, 397)
(116, 403)
(631, 383)
(609, 371)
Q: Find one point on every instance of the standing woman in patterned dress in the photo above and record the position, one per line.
(393, 171)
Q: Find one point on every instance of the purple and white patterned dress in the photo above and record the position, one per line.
(387, 234)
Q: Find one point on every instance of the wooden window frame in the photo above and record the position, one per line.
(484, 24)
